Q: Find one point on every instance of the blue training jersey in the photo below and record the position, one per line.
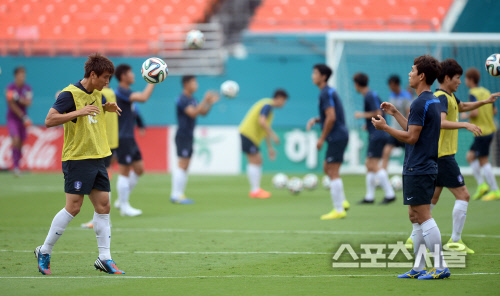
(329, 98)
(372, 103)
(185, 123)
(126, 121)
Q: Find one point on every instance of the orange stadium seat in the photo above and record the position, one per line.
(76, 27)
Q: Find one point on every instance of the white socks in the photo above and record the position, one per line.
(337, 194)
(383, 178)
(370, 186)
(490, 177)
(179, 181)
(123, 188)
(254, 173)
(476, 171)
(59, 224)
(459, 215)
(432, 238)
(418, 241)
(133, 178)
(103, 234)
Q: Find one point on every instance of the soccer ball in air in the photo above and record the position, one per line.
(195, 39)
(229, 88)
(154, 70)
(310, 181)
(493, 64)
(326, 182)
(397, 182)
(280, 180)
(295, 185)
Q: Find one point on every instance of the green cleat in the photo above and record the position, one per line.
(346, 205)
(480, 191)
(493, 195)
(409, 243)
(458, 246)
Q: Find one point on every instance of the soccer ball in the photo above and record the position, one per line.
(195, 39)
(326, 182)
(295, 185)
(493, 64)
(310, 181)
(154, 70)
(280, 180)
(397, 182)
(229, 89)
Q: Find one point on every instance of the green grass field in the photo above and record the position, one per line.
(228, 244)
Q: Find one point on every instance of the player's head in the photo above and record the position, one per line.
(189, 83)
(425, 69)
(280, 97)
(449, 76)
(20, 75)
(472, 77)
(321, 73)
(98, 70)
(360, 81)
(124, 74)
(394, 83)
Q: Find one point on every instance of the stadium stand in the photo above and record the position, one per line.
(77, 27)
(369, 15)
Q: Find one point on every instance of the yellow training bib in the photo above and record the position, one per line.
(484, 119)
(250, 126)
(111, 119)
(448, 138)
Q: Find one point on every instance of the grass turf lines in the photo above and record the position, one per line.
(229, 244)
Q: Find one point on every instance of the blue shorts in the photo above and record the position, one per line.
(418, 189)
(248, 146)
(107, 159)
(376, 147)
(81, 176)
(128, 151)
(395, 142)
(335, 151)
(481, 145)
(184, 146)
(449, 174)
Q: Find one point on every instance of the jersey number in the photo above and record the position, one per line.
(92, 119)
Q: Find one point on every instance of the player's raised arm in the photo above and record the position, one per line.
(410, 137)
(142, 96)
(393, 111)
(468, 106)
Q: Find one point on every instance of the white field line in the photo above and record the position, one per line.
(226, 276)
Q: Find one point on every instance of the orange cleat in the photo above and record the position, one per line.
(260, 194)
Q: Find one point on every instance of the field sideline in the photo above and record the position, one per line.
(228, 244)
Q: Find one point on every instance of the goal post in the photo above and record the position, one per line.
(382, 54)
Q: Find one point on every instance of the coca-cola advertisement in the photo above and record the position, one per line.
(43, 148)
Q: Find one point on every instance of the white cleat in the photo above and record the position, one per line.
(130, 212)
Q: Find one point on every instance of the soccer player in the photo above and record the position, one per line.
(401, 99)
(188, 109)
(130, 164)
(480, 149)
(334, 132)
(377, 140)
(80, 108)
(420, 132)
(255, 127)
(19, 97)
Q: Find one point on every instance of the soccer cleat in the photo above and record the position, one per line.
(480, 191)
(17, 172)
(43, 261)
(412, 274)
(130, 211)
(409, 243)
(183, 200)
(108, 266)
(88, 225)
(436, 274)
(117, 204)
(346, 205)
(260, 193)
(334, 215)
(493, 195)
(458, 246)
(388, 200)
(365, 202)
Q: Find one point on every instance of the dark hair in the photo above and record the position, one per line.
(98, 64)
(394, 79)
(120, 70)
(450, 68)
(361, 79)
(187, 78)
(280, 93)
(429, 66)
(19, 69)
(324, 70)
(473, 74)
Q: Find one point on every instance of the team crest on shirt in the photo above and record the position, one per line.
(78, 185)
(460, 179)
